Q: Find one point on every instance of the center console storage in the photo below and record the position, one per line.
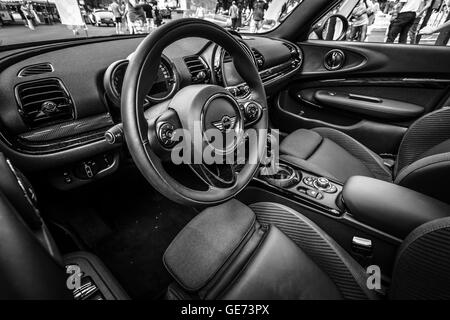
(390, 207)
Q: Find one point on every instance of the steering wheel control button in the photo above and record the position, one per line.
(240, 91)
(252, 112)
(165, 134)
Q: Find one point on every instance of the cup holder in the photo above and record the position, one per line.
(284, 177)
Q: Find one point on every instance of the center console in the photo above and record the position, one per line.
(308, 188)
(369, 218)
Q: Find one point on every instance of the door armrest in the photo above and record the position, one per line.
(369, 106)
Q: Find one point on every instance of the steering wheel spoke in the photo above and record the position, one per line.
(216, 175)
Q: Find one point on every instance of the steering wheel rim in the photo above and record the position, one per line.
(140, 128)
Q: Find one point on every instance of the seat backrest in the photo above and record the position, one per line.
(422, 267)
(423, 160)
(427, 132)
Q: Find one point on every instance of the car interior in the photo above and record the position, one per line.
(87, 182)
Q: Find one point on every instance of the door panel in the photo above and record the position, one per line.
(378, 92)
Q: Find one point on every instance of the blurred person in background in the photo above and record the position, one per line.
(117, 12)
(404, 20)
(157, 17)
(136, 17)
(219, 6)
(26, 11)
(374, 8)
(148, 9)
(430, 30)
(425, 5)
(259, 8)
(382, 4)
(200, 11)
(124, 10)
(359, 20)
(234, 15)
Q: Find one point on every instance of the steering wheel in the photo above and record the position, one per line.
(196, 109)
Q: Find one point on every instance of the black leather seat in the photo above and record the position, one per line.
(269, 251)
(422, 162)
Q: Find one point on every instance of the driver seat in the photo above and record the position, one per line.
(269, 251)
(422, 162)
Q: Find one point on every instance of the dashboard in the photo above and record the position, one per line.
(58, 101)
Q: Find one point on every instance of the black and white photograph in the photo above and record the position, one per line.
(224, 158)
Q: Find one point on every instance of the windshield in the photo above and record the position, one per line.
(46, 20)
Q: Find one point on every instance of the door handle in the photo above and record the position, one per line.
(364, 98)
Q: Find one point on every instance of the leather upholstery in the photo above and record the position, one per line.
(346, 273)
(421, 269)
(429, 175)
(268, 263)
(292, 274)
(289, 257)
(27, 271)
(204, 245)
(334, 152)
(424, 134)
(389, 207)
(423, 160)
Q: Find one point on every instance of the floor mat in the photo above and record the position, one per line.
(129, 226)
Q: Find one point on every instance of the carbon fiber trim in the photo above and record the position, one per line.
(67, 129)
(345, 272)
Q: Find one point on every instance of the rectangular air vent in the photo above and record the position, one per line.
(35, 69)
(197, 68)
(43, 102)
(259, 58)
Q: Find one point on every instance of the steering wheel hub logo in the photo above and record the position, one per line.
(225, 124)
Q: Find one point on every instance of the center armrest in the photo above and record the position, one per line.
(390, 207)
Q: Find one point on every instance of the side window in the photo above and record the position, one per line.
(424, 22)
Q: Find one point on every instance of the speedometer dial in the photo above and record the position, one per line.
(163, 88)
(164, 84)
